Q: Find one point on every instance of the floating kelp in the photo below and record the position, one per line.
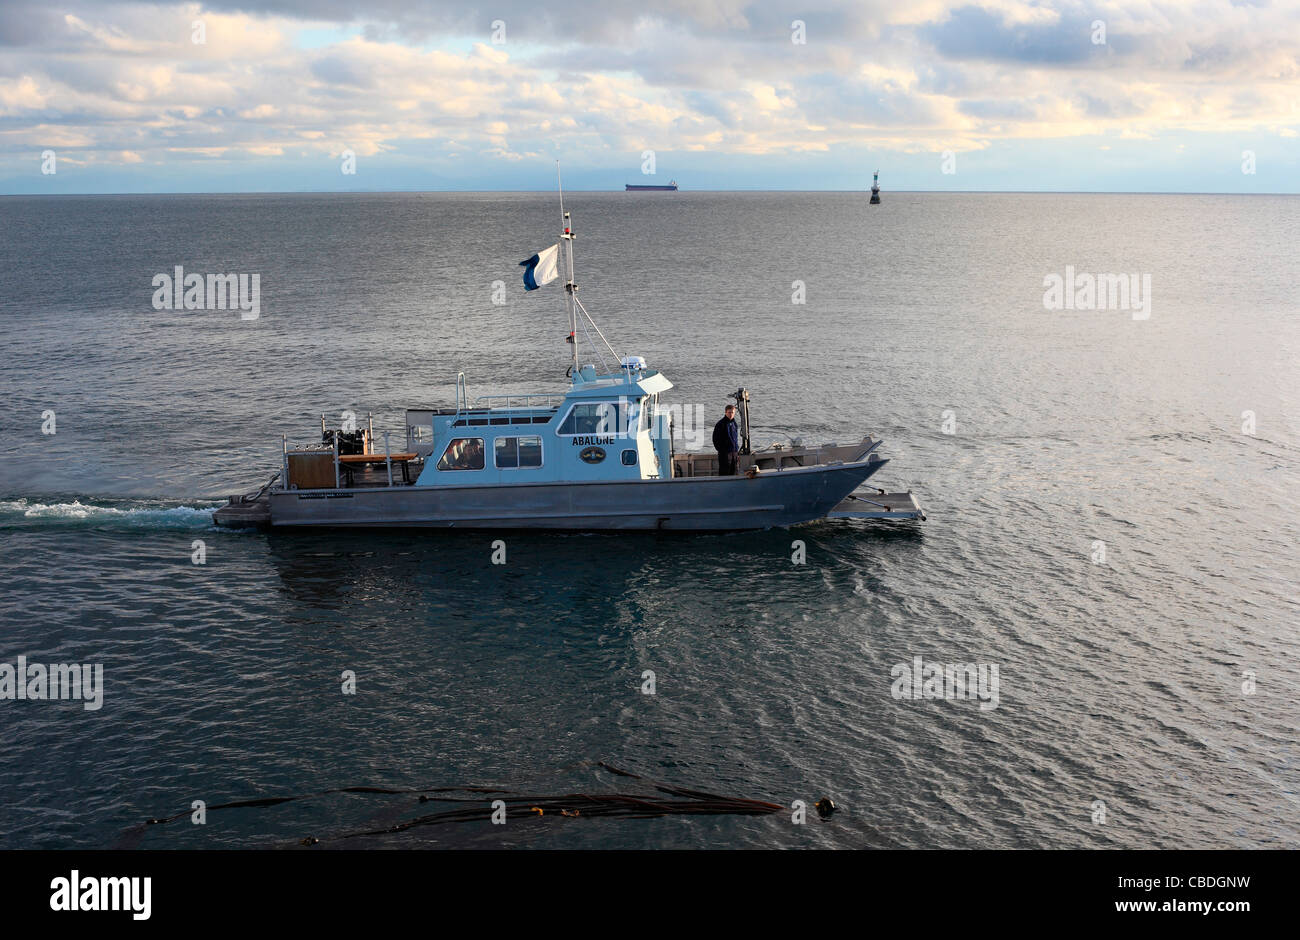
(667, 800)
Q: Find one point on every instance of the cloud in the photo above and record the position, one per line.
(127, 82)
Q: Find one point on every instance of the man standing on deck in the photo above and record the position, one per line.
(726, 441)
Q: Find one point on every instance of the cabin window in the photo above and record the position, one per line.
(629, 458)
(463, 453)
(518, 453)
(597, 417)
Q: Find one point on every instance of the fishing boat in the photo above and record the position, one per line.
(599, 455)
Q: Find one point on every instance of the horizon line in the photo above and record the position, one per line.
(864, 192)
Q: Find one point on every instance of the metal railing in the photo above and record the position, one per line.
(521, 400)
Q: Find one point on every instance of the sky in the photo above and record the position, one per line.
(98, 96)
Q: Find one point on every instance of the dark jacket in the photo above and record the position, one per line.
(726, 436)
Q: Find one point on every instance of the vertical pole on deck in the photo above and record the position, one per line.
(284, 461)
(336, 462)
(566, 242)
(388, 455)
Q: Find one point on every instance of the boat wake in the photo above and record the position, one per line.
(153, 514)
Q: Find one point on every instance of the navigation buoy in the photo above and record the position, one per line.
(875, 188)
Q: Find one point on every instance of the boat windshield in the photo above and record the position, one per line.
(599, 417)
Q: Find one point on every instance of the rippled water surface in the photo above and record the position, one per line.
(1120, 682)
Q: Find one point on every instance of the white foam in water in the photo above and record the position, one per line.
(146, 517)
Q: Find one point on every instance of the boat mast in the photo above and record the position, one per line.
(570, 288)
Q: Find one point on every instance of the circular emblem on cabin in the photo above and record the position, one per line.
(593, 454)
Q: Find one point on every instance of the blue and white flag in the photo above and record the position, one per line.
(540, 268)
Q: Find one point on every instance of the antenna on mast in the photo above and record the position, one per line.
(559, 182)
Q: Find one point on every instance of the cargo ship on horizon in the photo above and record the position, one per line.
(670, 188)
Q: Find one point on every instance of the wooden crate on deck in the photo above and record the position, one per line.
(312, 471)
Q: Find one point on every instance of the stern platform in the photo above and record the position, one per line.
(877, 504)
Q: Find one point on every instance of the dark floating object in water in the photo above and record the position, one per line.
(825, 807)
(682, 802)
(875, 188)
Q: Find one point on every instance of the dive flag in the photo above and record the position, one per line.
(540, 268)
